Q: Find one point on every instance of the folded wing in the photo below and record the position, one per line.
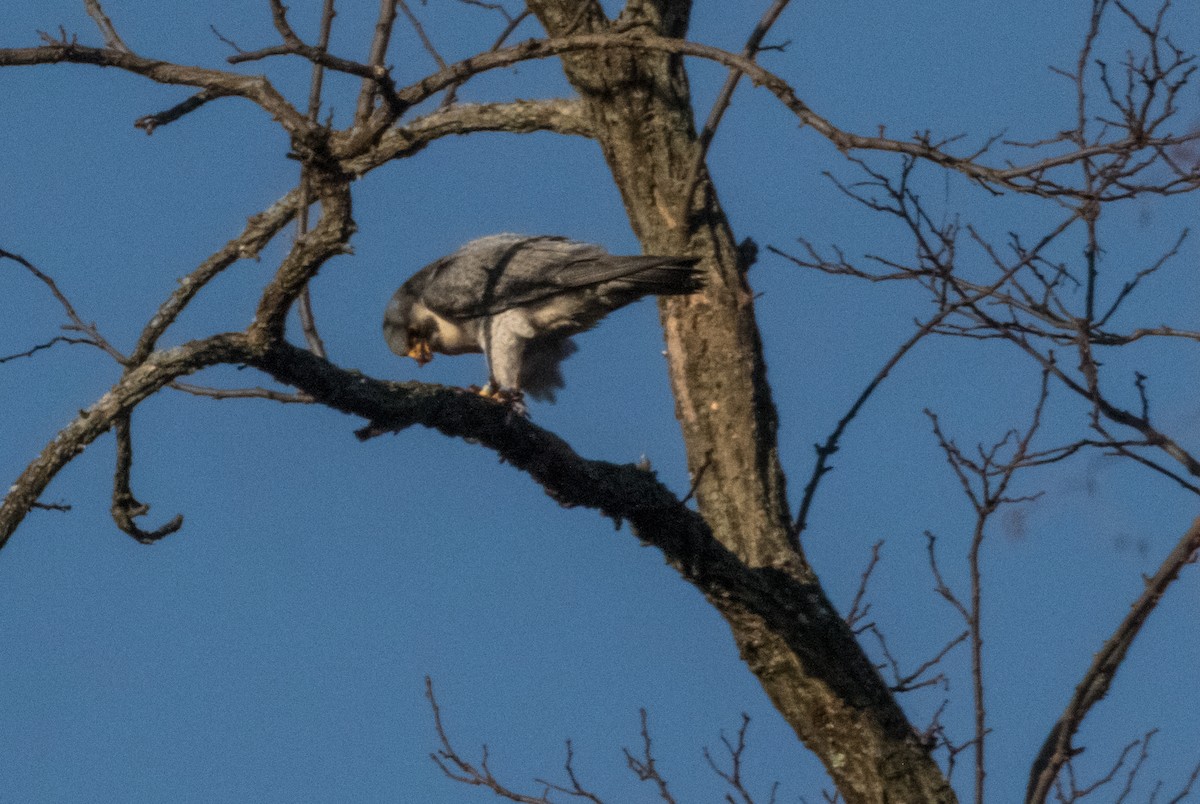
(498, 273)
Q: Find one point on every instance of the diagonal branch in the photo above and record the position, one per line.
(1057, 749)
(259, 231)
(329, 237)
(1027, 178)
(419, 29)
(721, 105)
(775, 616)
(136, 385)
(111, 37)
(254, 88)
(150, 122)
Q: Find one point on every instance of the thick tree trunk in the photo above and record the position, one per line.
(799, 647)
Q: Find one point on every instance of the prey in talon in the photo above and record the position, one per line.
(518, 300)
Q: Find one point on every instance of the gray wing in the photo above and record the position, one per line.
(497, 273)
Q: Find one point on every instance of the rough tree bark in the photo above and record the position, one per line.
(812, 667)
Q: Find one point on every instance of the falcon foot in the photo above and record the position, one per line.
(511, 398)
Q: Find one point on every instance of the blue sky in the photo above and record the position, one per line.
(275, 648)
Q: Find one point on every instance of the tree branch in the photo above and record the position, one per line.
(1057, 748)
(379, 46)
(560, 116)
(724, 98)
(137, 384)
(125, 507)
(111, 37)
(329, 237)
(1026, 178)
(150, 122)
(259, 231)
(308, 322)
(255, 88)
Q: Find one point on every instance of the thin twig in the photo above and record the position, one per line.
(733, 776)
(985, 482)
(645, 767)
(426, 42)
(242, 393)
(111, 37)
(856, 613)
(77, 323)
(378, 53)
(459, 769)
(48, 344)
(308, 322)
(1094, 685)
(750, 50)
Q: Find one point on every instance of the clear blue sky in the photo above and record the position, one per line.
(275, 649)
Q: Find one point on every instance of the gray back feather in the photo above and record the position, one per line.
(499, 272)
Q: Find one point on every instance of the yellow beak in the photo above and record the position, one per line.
(419, 351)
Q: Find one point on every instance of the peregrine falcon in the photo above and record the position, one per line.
(518, 300)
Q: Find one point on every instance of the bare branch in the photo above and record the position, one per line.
(1029, 178)
(137, 384)
(308, 323)
(111, 38)
(426, 42)
(460, 770)
(77, 324)
(938, 258)
(576, 789)
(644, 766)
(255, 88)
(721, 105)
(733, 776)
(226, 40)
(150, 122)
(1187, 786)
(379, 47)
(907, 682)
(985, 482)
(125, 507)
(47, 345)
(1094, 685)
(856, 613)
(1132, 284)
(1136, 767)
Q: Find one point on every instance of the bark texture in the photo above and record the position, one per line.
(788, 632)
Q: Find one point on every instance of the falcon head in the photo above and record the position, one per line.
(413, 330)
(409, 328)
